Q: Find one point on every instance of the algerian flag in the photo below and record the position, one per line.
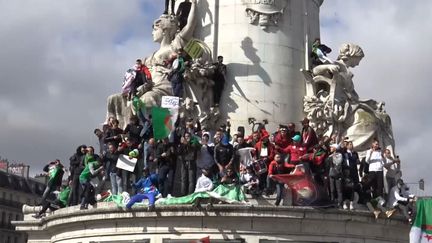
(421, 231)
(162, 120)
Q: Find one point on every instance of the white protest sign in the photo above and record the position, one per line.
(170, 102)
(125, 163)
(245, 156)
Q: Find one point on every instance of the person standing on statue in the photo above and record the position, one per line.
(375, 159)
(219, 80)
(167, 4)
(176, 76)
(183, 13)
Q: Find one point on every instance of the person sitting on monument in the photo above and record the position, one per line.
(400, 198)
(204, 183)
(146, 188)
(61, 201)
(249, 180)
(182, 13)
(319, 53)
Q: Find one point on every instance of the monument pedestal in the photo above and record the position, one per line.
(264, 44)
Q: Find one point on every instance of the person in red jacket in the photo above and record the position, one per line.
(277, 167)
(308, 135)
(281, 138)
(296, 150)
(264, 149)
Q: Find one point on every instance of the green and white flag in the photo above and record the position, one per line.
(162, 122)
(421, 231)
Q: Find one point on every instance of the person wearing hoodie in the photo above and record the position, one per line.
(76, 167)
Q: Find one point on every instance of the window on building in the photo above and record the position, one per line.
(11, 197)
(3, 219)
(4, 195)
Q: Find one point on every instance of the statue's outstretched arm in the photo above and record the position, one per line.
(323, 69)
(188, 30)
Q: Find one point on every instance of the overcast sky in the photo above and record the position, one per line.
(59, 60)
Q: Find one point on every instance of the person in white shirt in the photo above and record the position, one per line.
(204, 184)
(392, 171)
(375, 159)
(399, 198)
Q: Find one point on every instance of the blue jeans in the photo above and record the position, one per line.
(116, 183)
(139, 197)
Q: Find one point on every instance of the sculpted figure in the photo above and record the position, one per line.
(165, 32)
(335, 106)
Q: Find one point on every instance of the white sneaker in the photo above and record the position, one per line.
(169, 196)
(351, 205)
(344, 206)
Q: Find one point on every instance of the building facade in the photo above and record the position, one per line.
(15, 191)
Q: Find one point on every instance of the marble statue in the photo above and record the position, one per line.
(334, 107)
(264, 13)
(198, 83)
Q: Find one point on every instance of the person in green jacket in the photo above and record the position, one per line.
(61, 201)
(92, 169)
(55, 176)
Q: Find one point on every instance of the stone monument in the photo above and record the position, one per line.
(334, 107)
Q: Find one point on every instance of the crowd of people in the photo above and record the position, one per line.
(200, 159)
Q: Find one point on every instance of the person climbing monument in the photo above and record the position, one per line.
(219, 79)
(319, 53)
(167, 4)
(182, 13)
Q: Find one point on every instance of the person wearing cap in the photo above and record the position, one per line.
(308, 135)
(296, 150)
(146, 189)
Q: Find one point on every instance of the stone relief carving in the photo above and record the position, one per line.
(264, 13)
(197, 98)
(334, 107)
